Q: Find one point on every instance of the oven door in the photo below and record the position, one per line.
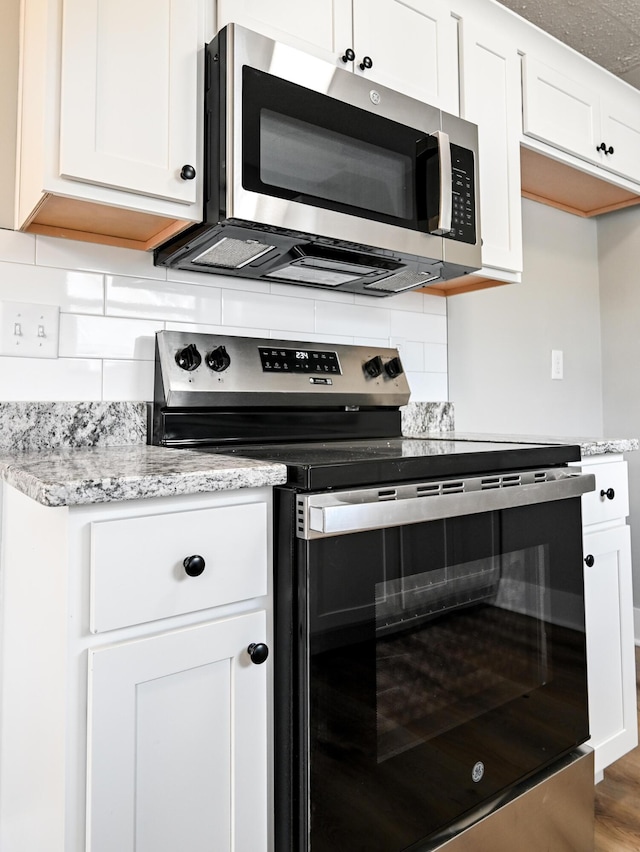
(423, 667)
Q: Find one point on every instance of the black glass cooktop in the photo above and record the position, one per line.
(319, 464)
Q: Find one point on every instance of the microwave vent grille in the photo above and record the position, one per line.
(404, 280)
(232, 254)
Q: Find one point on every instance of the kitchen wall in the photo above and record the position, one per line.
(113, 300)
(500, 340)
(619, 256)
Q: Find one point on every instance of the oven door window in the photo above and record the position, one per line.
(446, 662)
(304, 146)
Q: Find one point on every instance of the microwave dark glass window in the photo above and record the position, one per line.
(313, 161)
(446, 662)
(304, 146)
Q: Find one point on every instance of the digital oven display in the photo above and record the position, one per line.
(298, 361)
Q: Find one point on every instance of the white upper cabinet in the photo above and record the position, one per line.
(408, 46)
(490, 97)
(412, 46)
(322, 27)
(600, 124)
(129, 104)
(110, 111)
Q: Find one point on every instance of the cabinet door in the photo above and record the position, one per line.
(177, 742)
(559, 110)
(621, 131)
(413, 47)
(130, 111)
(610, 645)
(490, 98)
(322, 27)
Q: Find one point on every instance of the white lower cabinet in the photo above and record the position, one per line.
(176, 748)
(609, 613)
(135, 713)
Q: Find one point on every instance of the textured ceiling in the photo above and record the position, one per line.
(607, 31)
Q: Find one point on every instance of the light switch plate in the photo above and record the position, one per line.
(28, 330)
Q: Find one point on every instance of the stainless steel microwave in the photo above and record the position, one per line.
(318, 177)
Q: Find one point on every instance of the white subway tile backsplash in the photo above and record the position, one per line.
(127, 381)
(268, 311)
(207, 279)
(411, 354)
(235, 331)
(73, 254)
(352, 319)
(371, 341)
(435, 358)
(71, 290)
(410, 301)
(166, 300)
(311, 293)
(113, 301)
(107, 337)
(16, 247)
(50, 380)
(428, 328)
(428, 387)
(435, 304)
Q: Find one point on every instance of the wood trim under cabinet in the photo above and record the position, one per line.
(559, 185)
(464, 284)
(76, 219)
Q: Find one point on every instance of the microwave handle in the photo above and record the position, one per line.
(442, 224)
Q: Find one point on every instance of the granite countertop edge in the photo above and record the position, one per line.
(588, 446)
(108, 474)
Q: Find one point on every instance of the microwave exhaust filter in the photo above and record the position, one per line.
(405, 280)
(232, 254)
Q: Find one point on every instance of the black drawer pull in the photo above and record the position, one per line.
(589, 561)
(194, 565)
(258, 652)
(609, 493)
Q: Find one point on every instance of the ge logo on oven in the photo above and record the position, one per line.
(478, 771)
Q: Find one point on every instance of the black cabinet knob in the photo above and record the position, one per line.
(188, 358)
(603, 147)
(589, 561)
(258, 652)
(194, 565)
(187, 172)
(348, 55)
(218, 359)
(394, 368)
(373, 367)
(367, 62)
(609, 493)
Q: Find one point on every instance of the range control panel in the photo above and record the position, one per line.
(279, 360)
(198, 370)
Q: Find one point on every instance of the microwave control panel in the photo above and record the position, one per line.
(463, 201)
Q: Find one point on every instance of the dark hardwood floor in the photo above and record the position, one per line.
(618, 800)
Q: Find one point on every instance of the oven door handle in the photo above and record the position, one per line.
(360, 510)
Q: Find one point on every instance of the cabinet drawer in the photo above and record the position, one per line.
(137, 564)
(611, 479)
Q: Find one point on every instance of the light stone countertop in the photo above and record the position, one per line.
(64, 454)
(588, 446)
(66, 477)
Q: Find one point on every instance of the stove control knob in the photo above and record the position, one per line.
(373, 367)
(188, 358)
(394, 368)
(218, 359)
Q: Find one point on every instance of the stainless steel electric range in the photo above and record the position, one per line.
(429, 647)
